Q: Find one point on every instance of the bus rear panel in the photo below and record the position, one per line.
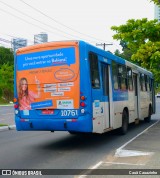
(48, 94)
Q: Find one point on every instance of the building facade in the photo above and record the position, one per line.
(40, 38)
(18, 43)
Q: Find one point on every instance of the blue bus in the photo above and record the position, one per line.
(76, 87)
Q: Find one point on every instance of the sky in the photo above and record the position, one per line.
(88, 20)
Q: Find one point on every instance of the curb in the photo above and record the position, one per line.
(10, 127)
(6, 105)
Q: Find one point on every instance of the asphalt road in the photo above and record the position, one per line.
(60, 150)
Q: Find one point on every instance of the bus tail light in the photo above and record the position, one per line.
(15, 100)
(16, 106)
(83, 104)
(83, 98)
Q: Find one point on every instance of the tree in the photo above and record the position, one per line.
(141, 38)
(6, 56)
(137, 32)
(6, 73)
(157, 2)
(149, 54)
(6, 81)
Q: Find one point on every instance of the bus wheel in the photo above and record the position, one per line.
(124, 128)
(148, 119)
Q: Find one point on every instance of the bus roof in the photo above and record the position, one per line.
(118, 59)
(45, 46)
(93, 48)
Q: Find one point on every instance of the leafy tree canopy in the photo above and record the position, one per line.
(6, 73)
(149, 55)
(137, 32)
(140, 40)
(157, 2)
(6, 56)
(6, 81)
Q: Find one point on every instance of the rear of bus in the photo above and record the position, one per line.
(48, 94)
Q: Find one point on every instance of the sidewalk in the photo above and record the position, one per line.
(7, 118)
(9, 127)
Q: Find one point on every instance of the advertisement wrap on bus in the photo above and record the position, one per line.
(49, 78)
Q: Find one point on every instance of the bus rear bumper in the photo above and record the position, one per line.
(82, 124)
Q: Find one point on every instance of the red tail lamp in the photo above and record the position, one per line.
(83, 104)
(16, 106)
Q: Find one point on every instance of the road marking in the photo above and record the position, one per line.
(123, 153)
(96, 165)
(127, 153)
(90, 169)
(119, 150)
(124, 163)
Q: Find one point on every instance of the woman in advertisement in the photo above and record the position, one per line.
(26, 97)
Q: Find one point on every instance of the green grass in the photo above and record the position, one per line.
(2, 101)
(1, 125)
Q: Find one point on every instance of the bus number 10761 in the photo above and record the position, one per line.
(69, 113)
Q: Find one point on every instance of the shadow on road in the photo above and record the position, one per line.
(93, 141)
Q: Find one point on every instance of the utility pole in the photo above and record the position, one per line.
(103, 44)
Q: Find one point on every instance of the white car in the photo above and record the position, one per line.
(158, 95)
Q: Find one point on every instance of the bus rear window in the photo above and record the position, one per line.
(94, 72)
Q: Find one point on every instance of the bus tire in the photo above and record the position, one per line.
(124, 128)
(148, 119)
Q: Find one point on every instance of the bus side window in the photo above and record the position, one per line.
(122, 77)
(129, 79)
(94, 72)
(115, 75)
(146, 82)
(142, 82)
(150, 84)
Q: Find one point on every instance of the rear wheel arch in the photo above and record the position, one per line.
(150, 111)
(125, 121)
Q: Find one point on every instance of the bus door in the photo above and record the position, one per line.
(99, 89)
(105, 88)
(135, 84)
(100, 94)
